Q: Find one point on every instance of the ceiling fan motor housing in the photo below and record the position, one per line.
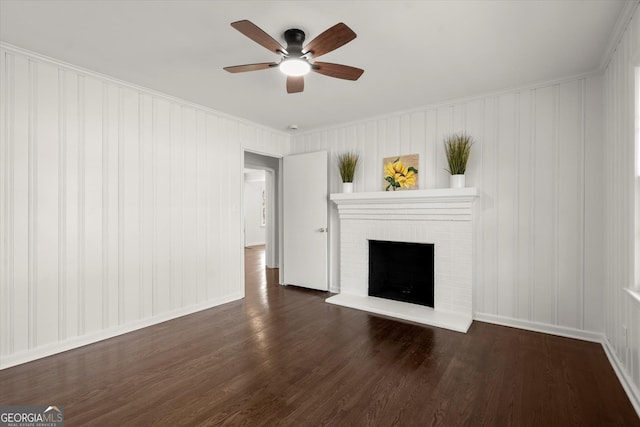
(294, 38)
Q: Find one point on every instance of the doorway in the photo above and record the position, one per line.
(255, 207)
(262, 220)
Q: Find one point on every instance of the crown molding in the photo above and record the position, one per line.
(622, 23)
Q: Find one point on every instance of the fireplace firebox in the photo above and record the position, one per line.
(402, 271)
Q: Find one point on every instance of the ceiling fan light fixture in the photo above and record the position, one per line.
(299, 59)
(295, 67)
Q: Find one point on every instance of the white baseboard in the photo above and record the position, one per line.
(71, 343)
(539, 327)
(625, 380)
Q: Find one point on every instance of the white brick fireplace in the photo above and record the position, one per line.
(443, 217)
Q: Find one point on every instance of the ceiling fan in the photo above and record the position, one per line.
(295, 60)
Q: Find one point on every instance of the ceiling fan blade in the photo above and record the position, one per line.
(331, 39)
(250, 67)
(256, 34)
(295, 84)
(338, 71)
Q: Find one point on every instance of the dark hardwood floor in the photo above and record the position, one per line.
(282, 356)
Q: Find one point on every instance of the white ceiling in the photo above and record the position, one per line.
(414, 53)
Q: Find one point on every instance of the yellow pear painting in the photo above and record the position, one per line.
(401, 172)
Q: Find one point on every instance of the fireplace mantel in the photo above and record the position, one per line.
(443, 217)
(445, 204)
(435, 195)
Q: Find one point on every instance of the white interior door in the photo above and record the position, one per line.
(305, 220)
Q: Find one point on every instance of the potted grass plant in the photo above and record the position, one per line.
(347, 163)
(457, 148)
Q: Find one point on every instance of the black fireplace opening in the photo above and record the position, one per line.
(401, 271)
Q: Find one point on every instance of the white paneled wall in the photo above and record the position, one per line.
(622, 327)
(537, 165)
(119, 207)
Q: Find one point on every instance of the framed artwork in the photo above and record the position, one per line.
(401, 172)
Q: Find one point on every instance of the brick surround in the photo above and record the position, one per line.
(443, 217)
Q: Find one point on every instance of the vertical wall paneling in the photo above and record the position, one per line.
(130, 208)
(163, 211)
(62, 150)
(201, 206)
(594, 183)
(394, 136)
(20, 147)
(214, 245)
(81, 325)
(581, 231)
(112, 285)
(556, 202)
(120, 194)
(176, 196)
(416, 137)
(5, 314)
(153, 143)
(506, 198)
(544, 207)
(524, 206)
(189, 208)
(147, 200)
(620, 311)
(444, 127)
(94, 198)
(488, 221)
(105, 199)
(570, 209)
(431, 142)
(32, 206)
(515, 205)
(226, 188)
(69, 301)
(534, 201)
(138, 100)
(533, 148)
(219, 188)
(117, 206)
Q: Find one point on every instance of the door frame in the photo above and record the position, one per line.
(274, 232)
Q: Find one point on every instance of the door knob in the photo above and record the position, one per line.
(322, 229)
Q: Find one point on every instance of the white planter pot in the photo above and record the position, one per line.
(347, 187)
(456, 181)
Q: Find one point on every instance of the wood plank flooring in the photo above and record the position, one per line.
(282, 356)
